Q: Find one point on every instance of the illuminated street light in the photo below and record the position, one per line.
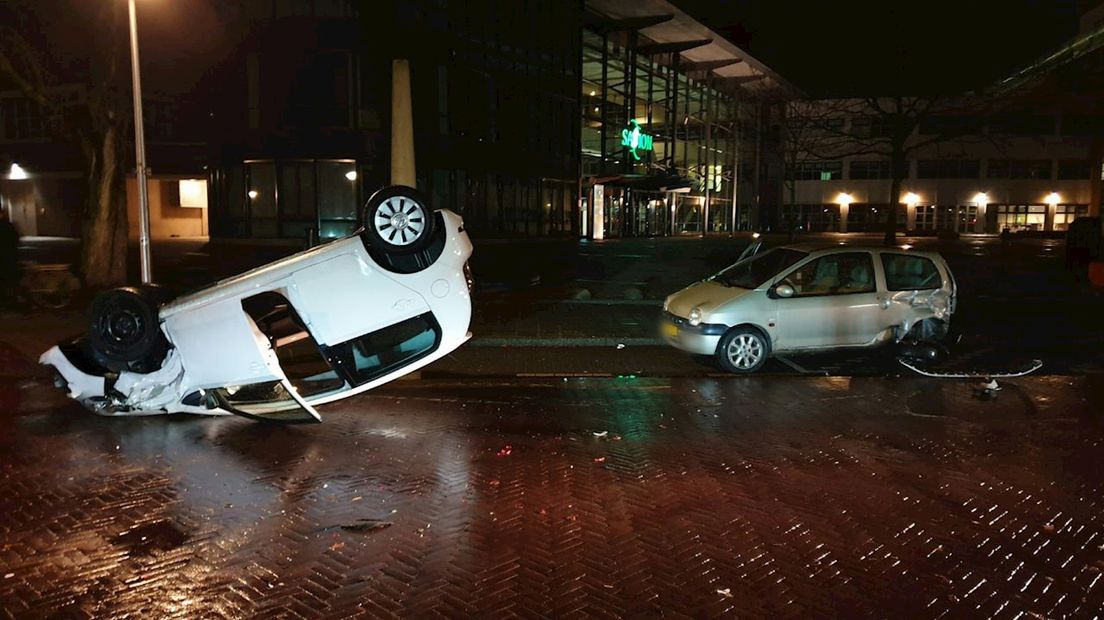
(140, 154)
(17, 173)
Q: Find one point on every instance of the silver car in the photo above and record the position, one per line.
(810, 297)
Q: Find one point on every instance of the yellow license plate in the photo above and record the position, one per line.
(670, 329)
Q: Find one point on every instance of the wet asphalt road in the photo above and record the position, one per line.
(759, 497)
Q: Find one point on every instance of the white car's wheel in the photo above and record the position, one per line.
(398, 220)
(124, 332)
(743, 350)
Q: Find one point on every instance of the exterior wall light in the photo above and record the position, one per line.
(253, 193)
(1053, 198)
(17, 173)
(351, 175)
(844, 200)
(982, 199)
(911, 199)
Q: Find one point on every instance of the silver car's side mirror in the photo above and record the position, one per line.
(784, 290)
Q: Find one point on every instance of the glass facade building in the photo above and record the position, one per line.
(668, 129)
(681, 170)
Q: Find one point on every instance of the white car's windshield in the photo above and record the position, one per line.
(751, 272)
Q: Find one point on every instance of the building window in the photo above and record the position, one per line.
(1074, 169)
(925, 217)
(1019, 169)
(871, 127)
(948, 169)
(1021, 217)
(1065, 214)
(950, 125)
(321, 94)
(876, 169)
(818, 171)
(1023, 125)
(287, 198)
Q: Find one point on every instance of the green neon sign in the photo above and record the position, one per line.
(635, 139)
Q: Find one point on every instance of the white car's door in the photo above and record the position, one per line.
(275, 399)
(835, 303)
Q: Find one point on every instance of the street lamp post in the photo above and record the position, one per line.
(140, 154)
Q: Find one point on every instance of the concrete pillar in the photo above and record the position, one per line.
(844, 209)
(1048, 221)
(598, 214)
(402, 126)
(979, 226)
(910, 217)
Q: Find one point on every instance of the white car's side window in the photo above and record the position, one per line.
(905, 272)
(834, 274)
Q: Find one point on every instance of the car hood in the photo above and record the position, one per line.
(707, 295)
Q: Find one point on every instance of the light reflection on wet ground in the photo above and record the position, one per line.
(791, 497)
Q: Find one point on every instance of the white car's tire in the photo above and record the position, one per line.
(124, 331)
(399, 220)
(742, 350)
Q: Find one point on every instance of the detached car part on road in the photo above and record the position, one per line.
(809, 297)
(324, 324)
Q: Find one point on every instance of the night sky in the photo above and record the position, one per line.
(857, 47)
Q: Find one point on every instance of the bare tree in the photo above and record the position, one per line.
(804, 135)
(881, 126)
(98, 122)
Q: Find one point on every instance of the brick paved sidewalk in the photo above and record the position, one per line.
(779, 498)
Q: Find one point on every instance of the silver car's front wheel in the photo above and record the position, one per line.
(743, 349)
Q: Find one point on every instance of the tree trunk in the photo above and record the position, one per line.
(104, 242)
(898, 166)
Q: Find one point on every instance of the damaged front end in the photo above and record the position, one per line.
(115, 393)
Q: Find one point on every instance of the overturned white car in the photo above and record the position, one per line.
(272, 343)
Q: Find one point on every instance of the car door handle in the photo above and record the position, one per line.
(883, 302)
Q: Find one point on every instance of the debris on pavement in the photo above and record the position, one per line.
(601, 434)
(987, 390)
(366, 525)
(620, 345)
(726, 592)
(506, 450)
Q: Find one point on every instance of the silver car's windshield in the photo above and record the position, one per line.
(751, 272)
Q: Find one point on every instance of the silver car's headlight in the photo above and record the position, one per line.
(695, 316)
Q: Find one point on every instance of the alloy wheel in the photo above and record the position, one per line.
(745, 351)
(400, 220)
